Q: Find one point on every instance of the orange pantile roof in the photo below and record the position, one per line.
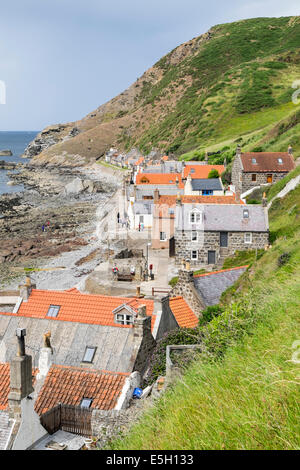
(78, 307)
(69, 385)
(165, 158)
(171, 200)
(139, 161)
(220, 271)
(201, 171)
(183, 314)
(5, 383)
(159, 178)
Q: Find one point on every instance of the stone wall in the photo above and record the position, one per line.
(235, 174)
(145, 343)
(124, 266)
(261, 178)
(185, 288)
(167, 320)
(210, 241)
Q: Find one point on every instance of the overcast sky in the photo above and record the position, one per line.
(60, 59)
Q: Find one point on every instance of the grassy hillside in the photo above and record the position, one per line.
(233, 82)
(242, 391)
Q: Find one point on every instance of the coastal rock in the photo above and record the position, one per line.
(5, 153)
(45, 139)
(75, 187)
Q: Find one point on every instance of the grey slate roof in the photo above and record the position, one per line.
(143, 207)
(6, 426)
(164, 190)
(207, 183)
(212, 286)
(115, 346)
(223, 217)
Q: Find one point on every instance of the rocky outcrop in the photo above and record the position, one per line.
(48, 137)
(5, 153)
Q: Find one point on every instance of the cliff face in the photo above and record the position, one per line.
(201, 91)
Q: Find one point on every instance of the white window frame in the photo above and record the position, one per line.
(195, 212)
(250, 238)
(160, 236)
(194, 231)
(246, 214)
(124, 319)
(194, 251)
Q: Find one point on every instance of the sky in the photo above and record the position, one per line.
(61, 59)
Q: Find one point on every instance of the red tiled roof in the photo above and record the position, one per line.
(171, 200)
(139, 161)
(201, 171)
(159, 178)
(69, 385)
(5, 383)
(221, 271)
(165, 158)
(78, 307)
(267, 162)
(184, 315)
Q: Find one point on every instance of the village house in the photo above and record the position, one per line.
(208, 233)
(163, 227)
(253, 169)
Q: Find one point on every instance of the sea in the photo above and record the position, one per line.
(16, 141)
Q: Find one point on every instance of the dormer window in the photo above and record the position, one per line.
(195, 217)
(53, 311)
(124, 319)
(254, 161)
(192, 170)
(89, 354)
(245, 213)
(280, 161)
(86, 402)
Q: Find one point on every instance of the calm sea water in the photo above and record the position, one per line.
(16, 142)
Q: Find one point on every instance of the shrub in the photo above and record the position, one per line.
(213, 173)
(209, 313)
(283, 259)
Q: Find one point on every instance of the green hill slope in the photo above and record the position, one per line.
(233, 82)
(242, 392)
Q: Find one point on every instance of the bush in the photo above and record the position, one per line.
(209, 313)
(213, 173)
(283, 259)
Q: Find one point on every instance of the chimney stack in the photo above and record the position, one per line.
(264, 200)
(238, 150)
(20, 376)
(238, 197)
(206, 157)
(156, 196)
(178, 199)
(45, 357)
(290, 150)
(25, 289)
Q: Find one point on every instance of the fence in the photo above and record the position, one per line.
(68, 418)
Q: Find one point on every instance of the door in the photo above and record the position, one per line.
(172, 247)
(223, 238)
(211, 257)
(269, 178)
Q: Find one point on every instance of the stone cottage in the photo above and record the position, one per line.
(257, 168)
(208, 233)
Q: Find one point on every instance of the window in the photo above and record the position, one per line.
(195, 217)
(280, 161)
(192, 170)
(53, 310)
(124, 319)
(254, 177)
(171, 211)
(86, 402)
(89, 354)
(194, 236)
(254, 161)
(245, 213)
(207, 192)
(248, 238)
(163, 236)
(141, 219)
(194, 255)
